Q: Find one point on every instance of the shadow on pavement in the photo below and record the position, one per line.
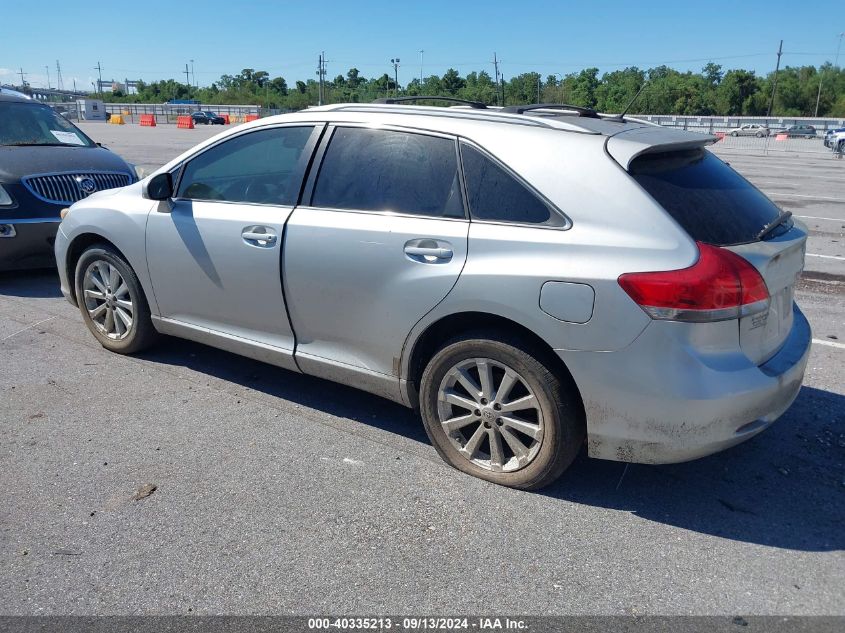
(41, 283)
(315, 393)
(784, 488)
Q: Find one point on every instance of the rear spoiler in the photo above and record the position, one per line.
(626, 146)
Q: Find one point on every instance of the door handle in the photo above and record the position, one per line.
(439, 253)
(428, 251)
(258, 236)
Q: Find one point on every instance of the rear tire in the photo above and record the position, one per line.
(112, 302)
(493, 409)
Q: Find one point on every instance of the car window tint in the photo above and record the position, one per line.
(711, 201)
(494, 194)
(259, 167)
(385, 170)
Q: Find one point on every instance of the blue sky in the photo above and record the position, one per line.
(154, 40)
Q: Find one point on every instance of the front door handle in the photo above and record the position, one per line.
(428, 251)
(259, 236)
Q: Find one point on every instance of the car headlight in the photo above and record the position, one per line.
(5, 198)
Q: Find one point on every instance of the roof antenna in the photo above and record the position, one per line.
(621, 117)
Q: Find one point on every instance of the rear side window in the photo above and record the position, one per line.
(385, 170)
(497, 196)
(712, 202)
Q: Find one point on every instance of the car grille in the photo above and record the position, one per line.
(70, 187)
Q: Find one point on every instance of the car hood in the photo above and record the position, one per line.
(17, 162)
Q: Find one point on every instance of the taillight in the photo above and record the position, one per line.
(721, 285)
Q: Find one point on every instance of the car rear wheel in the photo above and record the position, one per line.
(494, 410)
(734, 133)
(112, 301)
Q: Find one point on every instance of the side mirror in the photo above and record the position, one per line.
(159, 187)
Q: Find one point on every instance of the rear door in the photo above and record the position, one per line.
(382, 241)
(715, 205)
(214, 251)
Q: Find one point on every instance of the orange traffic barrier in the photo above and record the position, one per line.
(225, 118)
(185, 121)
(250, 117)
(720, 136)
(148, 120)
(781, 137)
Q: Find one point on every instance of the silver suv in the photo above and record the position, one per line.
(532, 279)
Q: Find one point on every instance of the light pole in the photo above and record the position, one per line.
(48, 77)
(835, 65)
(193, 74)
(422, 52)
(395, 63)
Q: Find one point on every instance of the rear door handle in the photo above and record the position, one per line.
(259, 236)
(428, 251)
(439, 253)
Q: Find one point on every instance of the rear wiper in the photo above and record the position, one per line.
(783, 216)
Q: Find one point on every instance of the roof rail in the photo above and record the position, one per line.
(475, 105)
(521, 109)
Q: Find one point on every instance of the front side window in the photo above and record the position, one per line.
(384, 170)
(497, 196)
(259, 167)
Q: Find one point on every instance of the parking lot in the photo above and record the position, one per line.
(279, 493)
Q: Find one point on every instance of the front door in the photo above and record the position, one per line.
(214, 251)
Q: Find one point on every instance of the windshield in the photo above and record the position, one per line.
(36, 124)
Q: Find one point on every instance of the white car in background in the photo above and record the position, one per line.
(751, 129)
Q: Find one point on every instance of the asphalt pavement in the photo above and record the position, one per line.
(279, 493)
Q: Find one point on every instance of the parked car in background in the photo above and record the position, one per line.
(469, 263)
(836, 142)
(46, 164)
(828, 136)
(799, 131)
(207, 118)
(751, 129)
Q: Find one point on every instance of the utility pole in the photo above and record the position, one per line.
(193, 74)
(422, 52)
(821, 76)
(74, 84)
(775, 83)
(496, 66)
(503, 89)
(100, 73)
(320, 72)
(395, 63)
(23, 80)
(187, 75)
(48, 76)
(538, 88)
(59, 82)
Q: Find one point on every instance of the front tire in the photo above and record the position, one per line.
(493, 409)
(112, 302)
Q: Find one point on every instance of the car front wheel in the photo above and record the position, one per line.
(493, 409)
(112, 301)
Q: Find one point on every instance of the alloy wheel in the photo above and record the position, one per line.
(107, 300)
(490, 414)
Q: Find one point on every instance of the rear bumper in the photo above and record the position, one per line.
(30, 244)
(663, 400)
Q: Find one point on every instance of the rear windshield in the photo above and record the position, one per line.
(711, 201)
